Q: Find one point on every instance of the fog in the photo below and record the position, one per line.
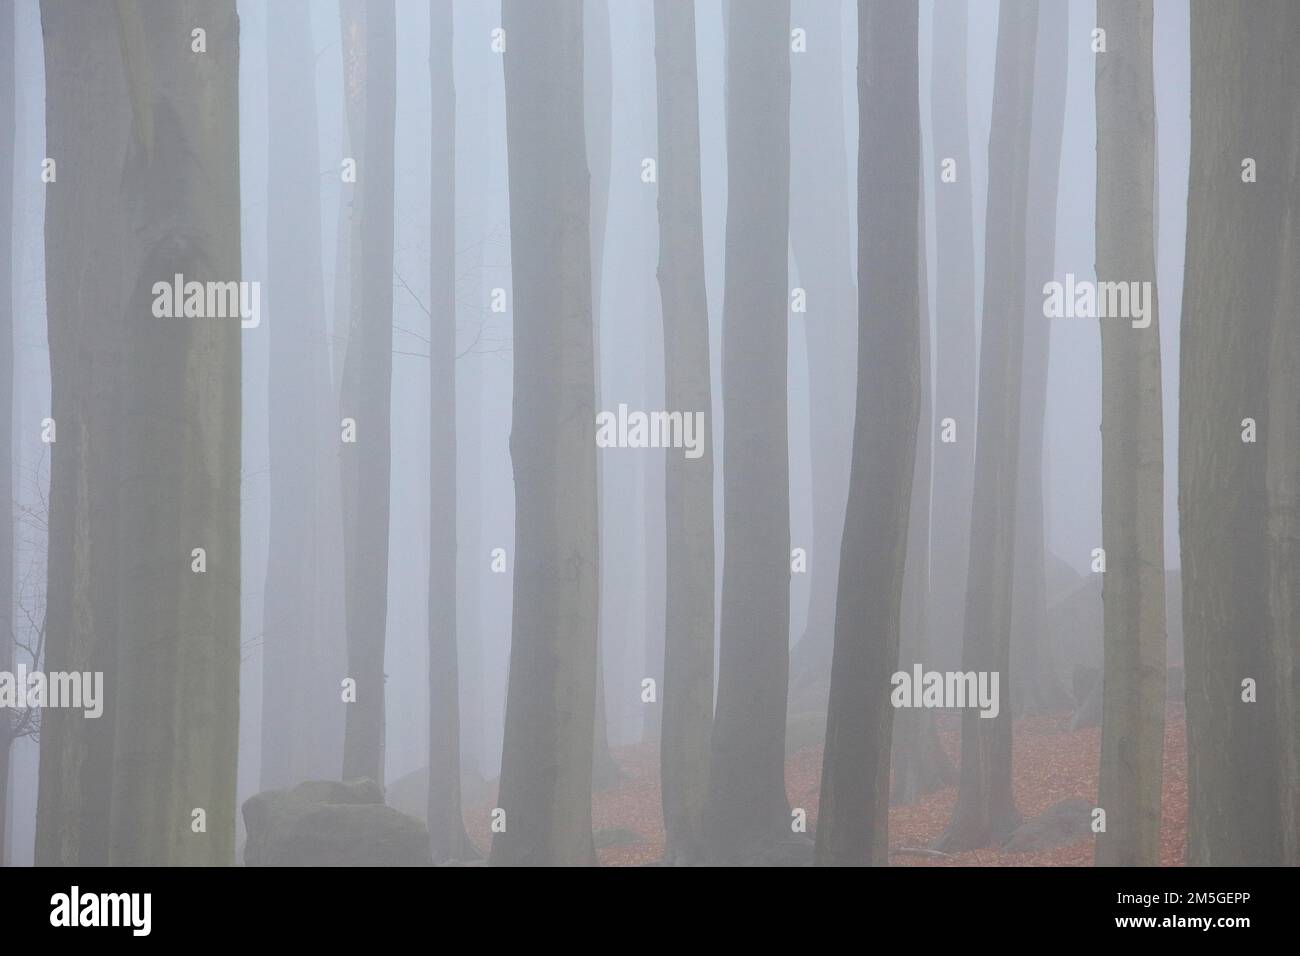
(530, 599)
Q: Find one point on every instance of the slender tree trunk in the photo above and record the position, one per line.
(1242, 91)
(8, 135)
(985, 809)
(598, 120)
(366, 400)
(1133, 702)
(297, 697)
(853, 819)
(446, 827)
(546, 761)
(654, 362)
(956, 319)
(919, 763)
(1282, 480)
(87, 253)
(1038, 689)
(747, 805)
(178, 647)
(688, 650)
(352, 42)
(820, 236)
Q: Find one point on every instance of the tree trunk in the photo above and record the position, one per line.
(1038, 688)
(853, 819)
(352, 42)
(178, 646)
(446, 827)
(1241, 90)
(87, 252)
(366, 399)
(1282, 479)
(956, 318)
(688, 651)
(546, 761)
(8, 135)
(598, 123)
(747, 802)
(919, 763)
(298, 696)
(820, 237)
(985, 809)
(1133, 589)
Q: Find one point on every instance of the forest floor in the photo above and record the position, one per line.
(1050, 763)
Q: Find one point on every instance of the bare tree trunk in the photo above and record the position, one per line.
(985, 808)
(919, 763)
(654, 363)
(8, 135)
(1133, 702)
(748, 808)
(546, 761)
(347, 251)
(446, 827)
(87, 253)
(956, 319)
(820, 236)
(1242, 89)
(298, 695)
(688, 650)
(853, 819)
(1038, 688)
(1282, 480)
(598, 124)
(366, 400)
(178, 647)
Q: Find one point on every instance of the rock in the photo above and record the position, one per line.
(331, 823)
(794, 850)
(1059, 825)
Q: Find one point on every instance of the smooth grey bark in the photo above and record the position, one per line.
(476, 489)
(1038, 689)
(688, 644)
(956, 320)
(470, 617)
(1243, 91)
(299, 696)
(8, 135)
(352, 42)
(820, 237)
(654, 362)
(748, 808)
(919, 764)
(88, 123)
(1133, 589)
(985, 808)
(546, 760)
(366, 399)
(178, 644)
(1282, 482)
(598, 126)
(853, 818)
(446, 827)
